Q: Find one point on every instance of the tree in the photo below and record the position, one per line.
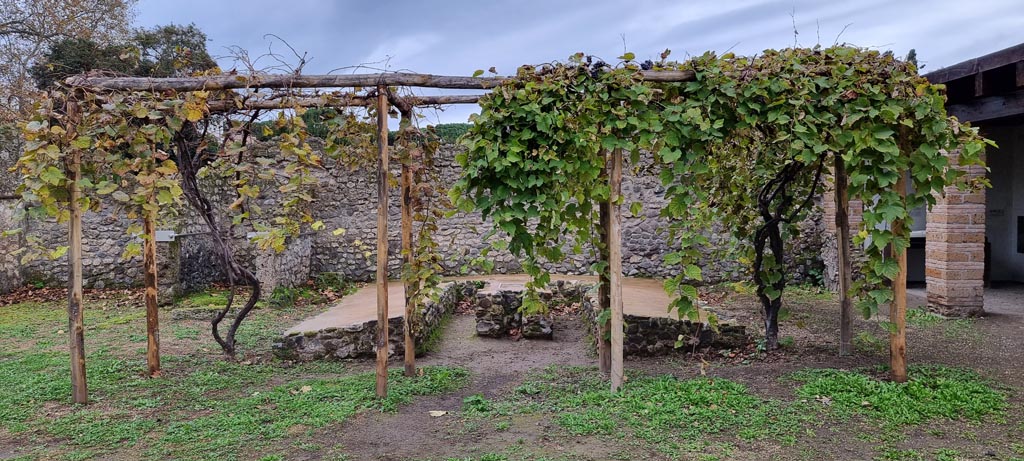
(164, 51)
(170, 50)
(28, 28)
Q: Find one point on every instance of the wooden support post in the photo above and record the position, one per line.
(615, 267)
(898, 309)
(152, 310)
(382, 241)
(76, 328)
(843, 261)
(604, 346)
(410, 287)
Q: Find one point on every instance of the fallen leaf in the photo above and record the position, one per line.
(438, 413)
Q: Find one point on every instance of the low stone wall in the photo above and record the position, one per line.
(358, 341)
(498, 312)
(653, 336)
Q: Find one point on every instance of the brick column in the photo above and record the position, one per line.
(955, 250)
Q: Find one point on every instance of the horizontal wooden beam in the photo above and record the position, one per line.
(334, 101)
(977, 65)
(989, 108)
(229, 82)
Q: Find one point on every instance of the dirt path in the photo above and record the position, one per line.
(496, 365)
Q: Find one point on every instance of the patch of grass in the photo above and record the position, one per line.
(94, 429)
(254, 419)
(961, 329)
(808, 293)
(185, 333)
(869, 343)
(203, 408)
(208, 298)
(932, 392)
(335, 282)
(893, 454)
(921, 318)
(658, 410)
(947, 454)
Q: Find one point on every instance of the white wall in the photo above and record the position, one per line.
(1005, 200)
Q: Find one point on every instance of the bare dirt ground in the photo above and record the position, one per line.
(991, 345)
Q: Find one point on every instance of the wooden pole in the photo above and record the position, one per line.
(842, 200)
(152, 310)
(898, 309)
(382, 241)
(604, 347)
(76, 328)
(615, 267)
(410, 286)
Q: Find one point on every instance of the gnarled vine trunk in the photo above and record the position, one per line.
(773, 203)
(189, 163)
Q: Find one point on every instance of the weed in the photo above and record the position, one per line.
(892, 454)
(185, 333)
(932, 392)
(284, 297)
(658, 410)
(867, 342)
(947, 454)
(921, 318)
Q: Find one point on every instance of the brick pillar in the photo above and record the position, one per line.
(955, 250)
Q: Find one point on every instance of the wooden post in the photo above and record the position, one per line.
(382, 241)
(76, 328)
(898, 309)
(843, 261)
(615, 267)
(152, 310)
(410, 287)
(604, 347)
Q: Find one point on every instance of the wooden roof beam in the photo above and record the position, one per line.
(229, 82)
(227, 105)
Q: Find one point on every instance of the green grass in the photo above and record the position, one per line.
(204, 407)
(185, 332)
(921, 318)
(932, 392)
(663, 411)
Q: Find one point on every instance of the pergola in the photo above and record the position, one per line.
(610, 292)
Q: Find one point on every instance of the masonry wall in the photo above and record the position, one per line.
(347, 199)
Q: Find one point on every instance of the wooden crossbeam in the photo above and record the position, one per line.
(230, 82)
(225, 105)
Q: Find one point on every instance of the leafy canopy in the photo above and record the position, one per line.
(536, 158)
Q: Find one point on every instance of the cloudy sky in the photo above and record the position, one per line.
(457, 37)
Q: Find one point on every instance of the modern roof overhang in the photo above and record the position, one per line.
(985, 88)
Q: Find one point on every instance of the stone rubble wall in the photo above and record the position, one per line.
(345, 199)
(358, 341)
(653, 336)
(498, 315)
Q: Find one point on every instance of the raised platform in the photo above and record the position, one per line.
(346, 330)
(641, 297)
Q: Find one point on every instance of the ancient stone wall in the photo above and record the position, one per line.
(347, 199)
(359, 340)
